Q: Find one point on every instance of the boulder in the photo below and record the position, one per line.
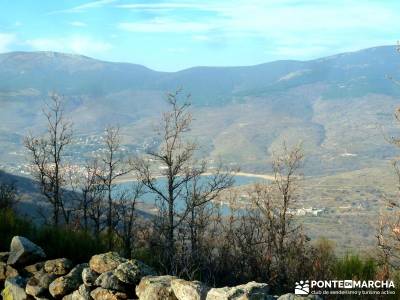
(103, 294)
(132, 271)
(32, 269)
(189, 290)
(14, 289)
(77, 296)
(39, 283)
(11, 272)
(66, 284)
(89, 276)
(83, 293)
(109, 281)
(3, 267)
(248, 291)
(4, 256)
(106, 262)
(155, 288)
(41, 298)
(23, 251)
(7, 271)
(59, 267)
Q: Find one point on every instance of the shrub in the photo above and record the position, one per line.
(11, 225)
(351, 266)
(56, 242)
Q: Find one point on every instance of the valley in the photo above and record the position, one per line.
(340, 108)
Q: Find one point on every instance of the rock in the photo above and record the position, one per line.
(189, 290)
(106, 262)
(103, 294)
(77, 296)
(11, 272)
(65, 285)
(60, 266)
(3, 266)
(67, 297)
(132, 271)
(291, 296)
(249, 291)
(33, 287)
(109, 281)
(4, 256)
(32, 269)
(89, 276)
(83, 293)
(23, 251)
(39, 283)
(14, 289)
(7, 271)
(155, 287)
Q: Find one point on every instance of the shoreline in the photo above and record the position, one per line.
(130, 178)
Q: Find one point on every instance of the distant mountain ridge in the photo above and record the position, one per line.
(71, 74)
(241, 113)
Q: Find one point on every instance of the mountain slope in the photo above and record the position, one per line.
(336, 105)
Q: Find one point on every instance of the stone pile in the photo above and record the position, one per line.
(26, 274)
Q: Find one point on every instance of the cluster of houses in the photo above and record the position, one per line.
(310, 211)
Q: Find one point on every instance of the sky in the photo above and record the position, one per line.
(174, 35)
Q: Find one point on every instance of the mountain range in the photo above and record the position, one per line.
(340, 107)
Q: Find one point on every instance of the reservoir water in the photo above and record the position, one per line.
(149, 198)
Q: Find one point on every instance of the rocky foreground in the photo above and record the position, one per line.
(25, 274)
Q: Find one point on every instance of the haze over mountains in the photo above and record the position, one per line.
(336, 105)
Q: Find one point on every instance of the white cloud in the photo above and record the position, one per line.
(74, 44)
(165, 25)
(260, 16)
(78, 24)
(161, 6)
(84, 7)
(288, 28)
(6, 40)
(93, 4)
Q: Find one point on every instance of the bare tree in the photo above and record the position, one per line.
(264, 218)
(47, 154)
(388, 231)
(388, 227)
(113, 167)
(265, 235)
(175, 158)
(88, 193)
(127, 217)
(285, 167)
(97, 212)
(236, 242)
(200, 192)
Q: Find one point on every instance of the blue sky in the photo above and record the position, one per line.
(173, 35)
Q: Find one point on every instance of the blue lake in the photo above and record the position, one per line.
(149, 198)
